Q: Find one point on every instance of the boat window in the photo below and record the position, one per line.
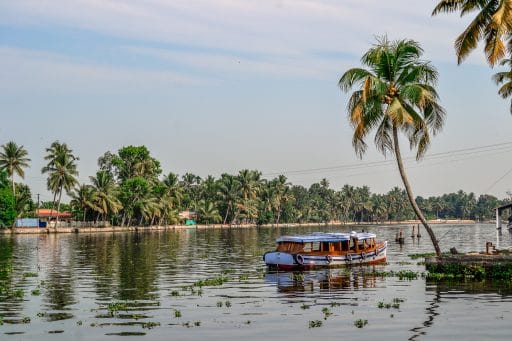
(326, 246)
(345, 245)
(353, 244)
(290, 247)
(361, 245)
(315, 246)
(307, 247)
(337, 246)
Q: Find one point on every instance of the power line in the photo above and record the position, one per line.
(505, 146)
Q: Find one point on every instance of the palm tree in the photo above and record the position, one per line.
(105, 194)
(83, 197)
(62, 171)
(493, 23)
(396, 94)
(208, 212)
(13, 159)
(229, 190)
(505, 78)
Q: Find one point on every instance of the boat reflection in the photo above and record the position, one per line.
(324, 279)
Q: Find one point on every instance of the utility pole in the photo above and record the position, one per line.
(38, 200)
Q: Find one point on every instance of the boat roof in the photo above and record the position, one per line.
(326, 237)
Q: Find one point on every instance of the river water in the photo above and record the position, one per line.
(112, 286)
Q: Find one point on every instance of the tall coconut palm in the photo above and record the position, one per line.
(492, 23)
(395, 94)
(62, 171)
(13, 159)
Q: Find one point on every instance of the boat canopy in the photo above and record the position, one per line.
(326, 237)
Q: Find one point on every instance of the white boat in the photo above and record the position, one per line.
(321, 249)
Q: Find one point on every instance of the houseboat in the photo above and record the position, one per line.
(321, 249)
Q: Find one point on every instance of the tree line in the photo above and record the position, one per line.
(129, 188)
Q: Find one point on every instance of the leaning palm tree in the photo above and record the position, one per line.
(492, 23)
(395, 94)
(13, 159)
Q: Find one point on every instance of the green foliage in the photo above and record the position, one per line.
(114, 307)
(315, 324)
(177, 313)
(360, 323)
(7, 211)
(209, 282)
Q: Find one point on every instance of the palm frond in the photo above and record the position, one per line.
(448, 6)
(468, 39)
(352, 77)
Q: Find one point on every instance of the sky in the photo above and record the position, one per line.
(216, 86)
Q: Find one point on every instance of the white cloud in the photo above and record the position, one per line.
(270, 27)
(27, 70)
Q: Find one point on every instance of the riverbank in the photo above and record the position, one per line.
(71, 229)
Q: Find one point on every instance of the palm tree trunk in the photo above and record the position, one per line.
(227, 212)
(13, 188)
(58, 208)
(410, 195)
(85, 214)
(53, 207)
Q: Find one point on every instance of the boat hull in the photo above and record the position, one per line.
(288, 261)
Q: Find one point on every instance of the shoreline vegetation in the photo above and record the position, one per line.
(131, 189)
(105, 229)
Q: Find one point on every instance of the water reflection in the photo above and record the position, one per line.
(324, 279)
(134, 283)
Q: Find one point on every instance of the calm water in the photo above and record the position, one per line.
(61, 286)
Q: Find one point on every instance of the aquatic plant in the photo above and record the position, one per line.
(18, 293)
(29, 274)
(220, 280)
(421, 255)
(407, 274)
(360, 323)
(219, 304)
(304, 306)
(227, 304)
(114, 307)
(175, 293)
(150, 325)
(79, 323)
(315, 324)
(1, 320)
(177, 313)
(26, 319)
(244, 277)
(326, 312)
(197, 323)
(36, 292)
(335, 304)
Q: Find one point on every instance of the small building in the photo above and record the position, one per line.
(47, 215)
(187, 215)
(499, 210)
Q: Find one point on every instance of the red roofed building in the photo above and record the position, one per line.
(46, 213)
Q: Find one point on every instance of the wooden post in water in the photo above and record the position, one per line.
(419, 235)
(413, 231)
(401, 239)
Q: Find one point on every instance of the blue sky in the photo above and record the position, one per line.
(217, 86)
